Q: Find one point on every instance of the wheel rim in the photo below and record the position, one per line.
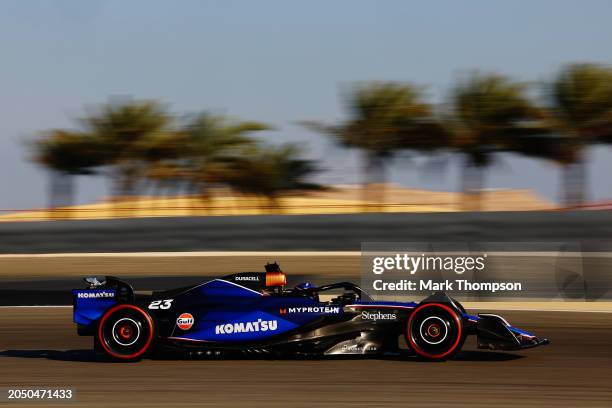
(125, 332)
(434, 331)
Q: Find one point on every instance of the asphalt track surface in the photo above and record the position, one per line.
(39, 347)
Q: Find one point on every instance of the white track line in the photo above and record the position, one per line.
(184, 254)
(607, 254)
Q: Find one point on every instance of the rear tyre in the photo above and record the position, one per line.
(125, 332)
(435, 331)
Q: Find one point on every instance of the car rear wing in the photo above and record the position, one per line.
(101, 293)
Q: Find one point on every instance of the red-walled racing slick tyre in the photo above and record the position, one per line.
(125, 332)
(435, 331)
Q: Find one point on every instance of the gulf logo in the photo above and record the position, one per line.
(184, 321)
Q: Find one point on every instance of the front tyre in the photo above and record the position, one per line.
(125, 332)
(435, 331)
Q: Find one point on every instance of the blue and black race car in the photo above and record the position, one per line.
(253, 313)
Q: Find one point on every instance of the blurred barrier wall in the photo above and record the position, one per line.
(339, 232)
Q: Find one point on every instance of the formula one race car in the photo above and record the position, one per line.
(252, 313)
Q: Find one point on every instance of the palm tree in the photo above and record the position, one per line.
(269, 171)
(163, 158)
(581, 113)
(489, 113)
(66, 154)
(125, 130)
(211, 142)
(385, 117)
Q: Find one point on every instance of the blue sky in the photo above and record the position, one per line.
(278, 62)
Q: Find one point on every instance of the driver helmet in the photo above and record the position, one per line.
(304, 286)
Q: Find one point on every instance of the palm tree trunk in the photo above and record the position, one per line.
(472, 181)
(117, 191)
(374, 179)
(124, 189)
(54, 192)
(574, 176)
(464, 184)
(566, 195)
(118, 196)
(61, 194)
(198, 200)
(467, 188)
(581, 180)
(478, 187)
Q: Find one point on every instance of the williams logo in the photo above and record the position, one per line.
(95, 295)
(310, 309)
(247, 327)
(185, 321)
